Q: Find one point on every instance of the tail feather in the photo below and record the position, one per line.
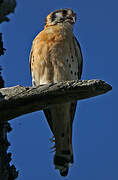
(60, 119)
(62, 130)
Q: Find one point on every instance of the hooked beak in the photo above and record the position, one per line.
(74, 19)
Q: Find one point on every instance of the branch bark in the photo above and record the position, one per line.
(18, 100)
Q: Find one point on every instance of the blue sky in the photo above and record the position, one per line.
(95, 137)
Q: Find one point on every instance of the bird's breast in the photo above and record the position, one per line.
(54, 55)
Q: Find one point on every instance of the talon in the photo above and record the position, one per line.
(53, 147)
(52, 139)
(53, 151)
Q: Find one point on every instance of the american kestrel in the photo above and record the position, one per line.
(55, 57)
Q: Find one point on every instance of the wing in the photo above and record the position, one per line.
(79, 56)
(31, 62)
(30, 59)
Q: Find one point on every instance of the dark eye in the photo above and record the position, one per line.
(64, 12)
(53, 17)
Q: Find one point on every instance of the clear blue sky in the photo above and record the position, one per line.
(95, 137)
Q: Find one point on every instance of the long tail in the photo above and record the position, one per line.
(62, 130)
(60, 119)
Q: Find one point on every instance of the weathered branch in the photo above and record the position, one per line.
(6, 7)
(18, 100)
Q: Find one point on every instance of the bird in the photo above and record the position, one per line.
(55, 57)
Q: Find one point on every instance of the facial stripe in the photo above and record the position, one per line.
(53, 17)
(64, 12)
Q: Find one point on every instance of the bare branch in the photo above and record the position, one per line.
(18, 100)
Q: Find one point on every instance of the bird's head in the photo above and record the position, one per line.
(66, 16)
